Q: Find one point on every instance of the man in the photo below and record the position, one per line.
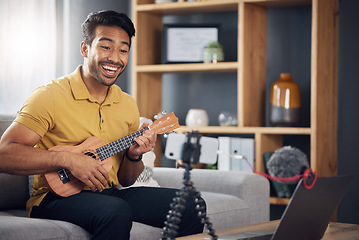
(73, 108)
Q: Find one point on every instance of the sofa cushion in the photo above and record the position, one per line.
(5, 121)
(141, 231)
(224, 208)
(14, 191)
(12, 227)
(14, 213)
(225, 211)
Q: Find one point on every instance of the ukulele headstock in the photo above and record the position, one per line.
(165, 124)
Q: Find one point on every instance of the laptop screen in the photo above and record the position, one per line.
(310, 210)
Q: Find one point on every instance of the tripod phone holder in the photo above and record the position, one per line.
(190, 156)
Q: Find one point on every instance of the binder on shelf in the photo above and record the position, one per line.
(231, 148)
(224, 159)
(248, 152)
(236, 149)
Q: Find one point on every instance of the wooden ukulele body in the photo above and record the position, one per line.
(68, 185)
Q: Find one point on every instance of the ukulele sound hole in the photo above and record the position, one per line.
(91, 155)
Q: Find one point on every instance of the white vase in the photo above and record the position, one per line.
(197, 118)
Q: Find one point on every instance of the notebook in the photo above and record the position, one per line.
(308, 213)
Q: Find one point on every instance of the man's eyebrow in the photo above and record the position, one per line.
(110, 40)
(105, 39)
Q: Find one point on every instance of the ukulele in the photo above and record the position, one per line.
(64, 184)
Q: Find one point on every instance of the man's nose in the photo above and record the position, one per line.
(115, 57)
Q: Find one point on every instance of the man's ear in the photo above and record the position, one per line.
(84, 49)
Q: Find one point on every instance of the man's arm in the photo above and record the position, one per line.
(19, 156)
(130, 170)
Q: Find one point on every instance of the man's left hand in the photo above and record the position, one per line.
(145, 143)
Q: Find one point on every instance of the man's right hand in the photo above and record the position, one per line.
(88, 170)
(18, 156)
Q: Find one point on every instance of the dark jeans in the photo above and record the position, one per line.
(109, 214)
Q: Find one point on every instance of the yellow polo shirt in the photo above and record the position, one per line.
(64, 113)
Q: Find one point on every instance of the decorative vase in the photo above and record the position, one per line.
(197, 118)
(227, 119)
(284, 102)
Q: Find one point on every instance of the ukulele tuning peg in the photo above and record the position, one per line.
(159, 115)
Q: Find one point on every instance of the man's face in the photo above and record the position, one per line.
(107, 56)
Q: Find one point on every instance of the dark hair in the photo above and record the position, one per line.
(105, 18)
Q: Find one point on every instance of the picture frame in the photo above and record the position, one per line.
(185, 43)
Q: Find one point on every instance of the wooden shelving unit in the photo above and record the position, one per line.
(193, 67)
(147, 72)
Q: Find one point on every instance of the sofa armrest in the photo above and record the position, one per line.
(14, 191)
(227, 182)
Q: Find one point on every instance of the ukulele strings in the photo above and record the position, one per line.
(115, 147)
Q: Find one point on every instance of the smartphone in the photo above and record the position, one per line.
(175, 142)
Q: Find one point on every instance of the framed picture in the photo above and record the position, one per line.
(185, 43)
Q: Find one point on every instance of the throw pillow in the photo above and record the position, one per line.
(145, 178)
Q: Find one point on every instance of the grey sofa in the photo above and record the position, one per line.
(232, 198)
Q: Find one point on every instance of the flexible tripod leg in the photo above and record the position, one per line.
(201, 209)
(173, 218)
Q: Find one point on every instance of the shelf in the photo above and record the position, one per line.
(280, 3)
(279, 201)
(247, 130)
(182, 7)
(188, 67)
(175, 8)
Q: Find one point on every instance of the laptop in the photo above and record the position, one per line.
(308, 213)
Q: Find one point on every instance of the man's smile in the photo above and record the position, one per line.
(109, 70)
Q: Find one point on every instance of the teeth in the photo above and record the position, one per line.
(109, 68)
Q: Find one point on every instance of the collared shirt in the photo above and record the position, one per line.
(64, 113)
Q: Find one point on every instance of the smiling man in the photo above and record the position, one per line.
(74, 108)
(100, 55)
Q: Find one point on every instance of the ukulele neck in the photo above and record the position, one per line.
(119, 145)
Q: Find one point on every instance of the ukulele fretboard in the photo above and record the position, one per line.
(115, 147)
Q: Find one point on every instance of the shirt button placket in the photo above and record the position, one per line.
(101, 119)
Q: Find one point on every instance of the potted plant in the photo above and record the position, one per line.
(213, 52)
